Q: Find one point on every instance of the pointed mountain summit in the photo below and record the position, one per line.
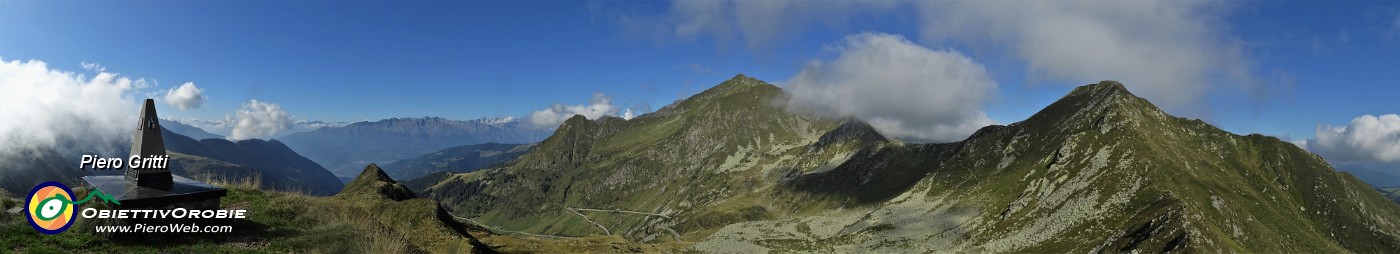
(374, 183)
(1104, 105)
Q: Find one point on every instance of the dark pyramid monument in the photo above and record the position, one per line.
(148, 183)
(148, 144)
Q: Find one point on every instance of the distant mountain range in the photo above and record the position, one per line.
(187, 130)
(268, 162)
(346, 149)
(1374, 173)
(1392, 193)
(458, 159)
(1100, 170)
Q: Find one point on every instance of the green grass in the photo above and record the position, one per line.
(277, 222)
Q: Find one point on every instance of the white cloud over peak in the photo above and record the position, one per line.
(600, 105)
(1366, 138)
(258, 119)
(628, 115)
(903, 89)
(1171, 52)
(43, 108)
(186, 96)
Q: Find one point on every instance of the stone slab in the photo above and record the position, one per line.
(180, 191)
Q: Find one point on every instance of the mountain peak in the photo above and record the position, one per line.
(738, 88)
(375, 173)
(374, 182)
(1106, 87)
(1111, 94)
(1101, 105)
(740, 76)
(739, 81)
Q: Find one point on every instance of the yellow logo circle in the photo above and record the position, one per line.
(50, 208)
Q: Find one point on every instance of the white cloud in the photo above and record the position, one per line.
(902, 89)
(300, 124)
(94, 67)
(224, 127)
(259, 120)
(1301, 143)
(600, 105)
(185, 97)
(497, 120)
(1366, 138)
(47, 108)
(1170, 52)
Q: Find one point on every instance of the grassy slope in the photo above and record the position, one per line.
(278, 222)
(282, 222)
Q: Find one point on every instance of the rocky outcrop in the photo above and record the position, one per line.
(374, 183)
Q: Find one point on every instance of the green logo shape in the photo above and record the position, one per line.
(64, 202)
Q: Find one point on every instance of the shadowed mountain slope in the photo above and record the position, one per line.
(277, 167)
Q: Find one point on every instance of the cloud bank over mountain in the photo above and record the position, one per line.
(48, 108)
(902, 89)
(258, 119)
(600, 105)
(1174, 53)
(1366, 138)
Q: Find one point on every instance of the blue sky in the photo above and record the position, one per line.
(1309, 63)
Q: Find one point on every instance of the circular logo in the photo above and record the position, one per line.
(50, 207)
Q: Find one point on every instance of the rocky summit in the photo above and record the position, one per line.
(374, 183)
(1100, 170)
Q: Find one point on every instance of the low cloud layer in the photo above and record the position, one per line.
(47, 108)
(904, 90)
(258, 119)
(1366, 138)
(600, 105)
(224, 127)
(186, 96)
